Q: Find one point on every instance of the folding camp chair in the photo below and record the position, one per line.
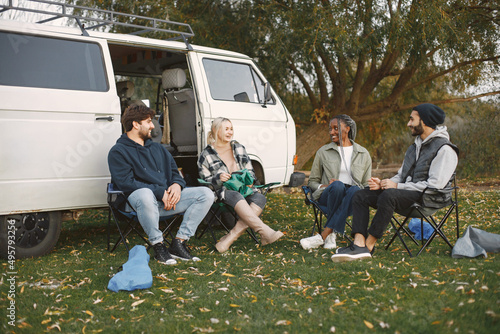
(214, 216)
(427, 214)
(320, 211)
(116, 205)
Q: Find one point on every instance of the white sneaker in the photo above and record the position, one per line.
(312, 242)
(331, 241)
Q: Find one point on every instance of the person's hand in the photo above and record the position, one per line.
(225, 176)
(326, 185)
(331, 181)
(386, 184)
(374, 183)
(172, 196)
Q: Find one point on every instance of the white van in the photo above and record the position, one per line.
(62, 91)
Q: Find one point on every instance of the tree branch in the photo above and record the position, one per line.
(323, 91)
(367, 114)
(307, 87)
(451, 69)
(452, 100)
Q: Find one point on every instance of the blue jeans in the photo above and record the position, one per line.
(337, 199)
(194, 203)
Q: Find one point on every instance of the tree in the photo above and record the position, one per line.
(372, 58)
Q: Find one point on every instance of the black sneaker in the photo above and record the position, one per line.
(350, 253)
(179, 250)
(162, 254)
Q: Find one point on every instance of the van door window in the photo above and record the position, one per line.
(34, 61)
(230, 81)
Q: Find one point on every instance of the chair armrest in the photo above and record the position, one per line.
(264, 188)
(111, 190)
(308, 194)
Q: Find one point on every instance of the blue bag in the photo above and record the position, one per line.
(414, 226)
(136, 273)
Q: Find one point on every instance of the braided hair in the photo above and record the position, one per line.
(348, 121)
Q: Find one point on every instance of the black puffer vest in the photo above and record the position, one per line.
(418, 170)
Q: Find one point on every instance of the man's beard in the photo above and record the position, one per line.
(145, 135)
(417, 130)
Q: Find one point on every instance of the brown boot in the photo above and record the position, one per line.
(226, 241)
(248, 214)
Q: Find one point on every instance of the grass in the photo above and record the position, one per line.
(279, 288)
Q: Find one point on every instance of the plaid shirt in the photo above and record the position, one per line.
(210, 165)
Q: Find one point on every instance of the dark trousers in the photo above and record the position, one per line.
(386, 202)
(337, 198)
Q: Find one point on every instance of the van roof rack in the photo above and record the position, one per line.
(101, 18)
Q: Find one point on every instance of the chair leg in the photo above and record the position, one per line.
(210, 224)
(401, 226)
(437, 231)
(122, 237)
(109, 227)
(318, 220)
(399, 235)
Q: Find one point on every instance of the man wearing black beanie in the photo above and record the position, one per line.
(429, 162)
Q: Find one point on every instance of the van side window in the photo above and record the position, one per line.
(231, 81)
(34, 61)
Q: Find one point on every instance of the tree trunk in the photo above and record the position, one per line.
(310, 141)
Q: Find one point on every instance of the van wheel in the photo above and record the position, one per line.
(35, 234)
(259, 172)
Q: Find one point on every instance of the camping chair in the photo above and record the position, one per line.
(116, 205)
(214, 216)
(427, 214)
(319, 212)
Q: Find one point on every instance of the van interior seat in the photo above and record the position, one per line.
(181, 110)
(126, 90)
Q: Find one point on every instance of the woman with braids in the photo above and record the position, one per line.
(340, 168)
(222, 157)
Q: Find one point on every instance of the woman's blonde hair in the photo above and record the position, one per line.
(216, 125)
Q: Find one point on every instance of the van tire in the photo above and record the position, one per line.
(259, 172)
(36, 233)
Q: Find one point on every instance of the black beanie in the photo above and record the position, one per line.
(430, 114)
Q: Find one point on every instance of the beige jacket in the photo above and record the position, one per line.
(327, 162)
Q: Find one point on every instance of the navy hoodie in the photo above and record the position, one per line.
(134, 166)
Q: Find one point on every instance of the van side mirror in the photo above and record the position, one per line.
(267, 94)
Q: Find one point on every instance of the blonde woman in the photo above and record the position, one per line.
(219, 159)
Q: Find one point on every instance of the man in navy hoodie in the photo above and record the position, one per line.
(147, 173)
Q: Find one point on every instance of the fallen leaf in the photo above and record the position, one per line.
(234, 305)
(134, 304)
(368, 324)
(54, 326)
(228, 275)
(204, 309)
(283, 323)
